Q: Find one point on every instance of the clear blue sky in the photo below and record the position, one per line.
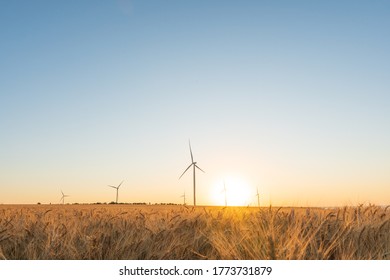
(289, 96)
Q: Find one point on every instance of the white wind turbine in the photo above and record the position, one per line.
(63, 197)
(193, 164)
(258, 197)
(117, 190)
(184, 197)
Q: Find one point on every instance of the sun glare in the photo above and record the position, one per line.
(232, 191)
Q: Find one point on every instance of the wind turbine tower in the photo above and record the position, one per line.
(194, 165)
(258, 197)
(184, 197)
(117, 190)
(63, 197)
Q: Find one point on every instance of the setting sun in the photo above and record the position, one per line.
(232, 191)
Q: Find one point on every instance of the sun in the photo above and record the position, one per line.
(232, 191)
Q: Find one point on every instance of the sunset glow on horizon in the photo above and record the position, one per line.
(238, 193)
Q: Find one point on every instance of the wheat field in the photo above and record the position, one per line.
(113, 232)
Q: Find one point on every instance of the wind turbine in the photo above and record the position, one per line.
(258, 197)
(193, 164)
(184, 196)
(63, 197)
(117, 190)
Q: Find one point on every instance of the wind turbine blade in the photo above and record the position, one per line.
(186, 170)
(120, 184)
(199, 168)
(62, 192)
(192, 157)
(112, 186)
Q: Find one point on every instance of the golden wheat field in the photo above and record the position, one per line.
(112, 232)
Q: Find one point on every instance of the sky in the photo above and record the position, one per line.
(287, 98)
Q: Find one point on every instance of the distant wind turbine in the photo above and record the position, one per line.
(184, 197)
(258, 197)
(193, 164)
(117, 190)
(63, 197)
